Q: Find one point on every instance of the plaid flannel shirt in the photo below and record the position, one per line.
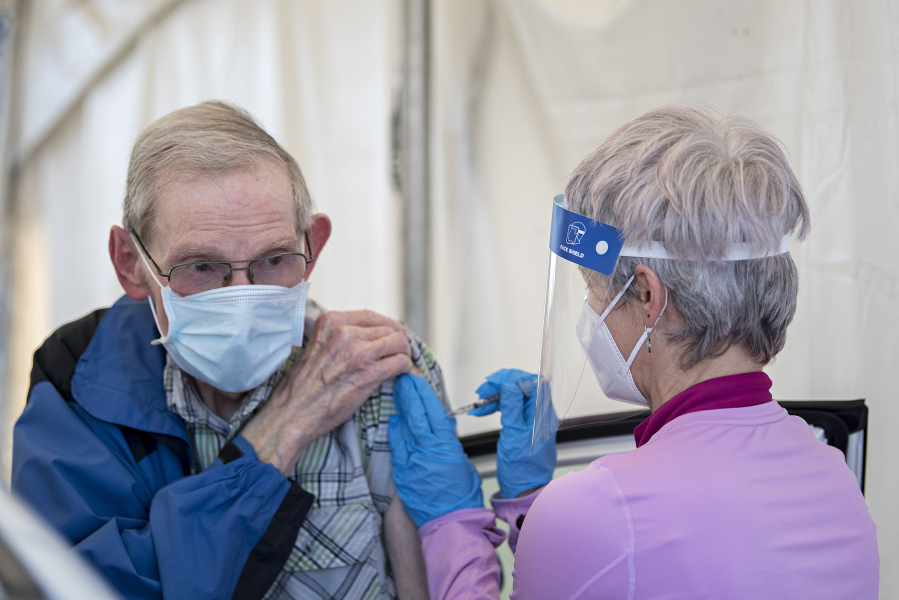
(339, 552)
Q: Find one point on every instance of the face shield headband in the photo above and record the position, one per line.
(568, 393)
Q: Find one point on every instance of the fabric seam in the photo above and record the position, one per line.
(768, 420)
(628, 554)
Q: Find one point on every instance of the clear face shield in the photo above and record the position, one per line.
(583, 254)
(568, 394)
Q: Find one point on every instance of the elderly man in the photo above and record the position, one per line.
(214, 434)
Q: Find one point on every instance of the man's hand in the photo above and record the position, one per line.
(347, 356)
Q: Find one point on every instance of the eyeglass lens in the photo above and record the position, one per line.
(285, 270)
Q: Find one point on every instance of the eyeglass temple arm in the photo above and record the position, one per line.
(147, 253)
(309, 248)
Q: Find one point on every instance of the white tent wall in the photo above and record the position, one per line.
(318, 74)
(537, 84)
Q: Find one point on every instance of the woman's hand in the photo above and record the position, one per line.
(433, 476)
(518, 469)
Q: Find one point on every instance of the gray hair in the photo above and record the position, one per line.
(212, 138)
(697, 182)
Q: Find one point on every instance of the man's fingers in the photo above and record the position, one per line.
(358, 318)
(388, 345)
(391, 366)
(359, 365)
(353, 349)
(366, 334)
(365, 380)
(367, 318)
(366, 343)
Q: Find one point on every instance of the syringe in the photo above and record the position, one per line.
(527, 386)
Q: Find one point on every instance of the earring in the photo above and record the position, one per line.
(648, 340)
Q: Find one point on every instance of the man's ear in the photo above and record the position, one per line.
(127, 263)
(318, 233)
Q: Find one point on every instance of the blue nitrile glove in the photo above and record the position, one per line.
(518, 469)
(433, 476)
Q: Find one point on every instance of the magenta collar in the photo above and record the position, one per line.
(731, 391)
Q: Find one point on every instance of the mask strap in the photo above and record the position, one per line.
(162, 339)
(646, 333)
(606, 312)
(146, 264)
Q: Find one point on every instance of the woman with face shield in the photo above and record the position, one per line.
(674, 237)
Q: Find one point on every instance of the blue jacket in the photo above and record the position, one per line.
(100, 456)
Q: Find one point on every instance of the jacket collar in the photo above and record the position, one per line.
(119, 376)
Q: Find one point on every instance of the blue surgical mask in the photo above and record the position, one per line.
(234, 337)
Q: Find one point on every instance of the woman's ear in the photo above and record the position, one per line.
(653, 295)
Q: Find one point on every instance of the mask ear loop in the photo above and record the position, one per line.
(646, 333)
(162, 338)
(615, 300)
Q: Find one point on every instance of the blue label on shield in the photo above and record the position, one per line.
(584, 241)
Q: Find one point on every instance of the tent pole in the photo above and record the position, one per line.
(415, 164)
(11, 16)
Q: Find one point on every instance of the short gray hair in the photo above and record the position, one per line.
(697, 182)
(212, 138)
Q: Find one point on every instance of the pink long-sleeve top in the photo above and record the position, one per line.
(734, 503)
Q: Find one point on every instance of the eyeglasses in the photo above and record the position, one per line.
(285, 269)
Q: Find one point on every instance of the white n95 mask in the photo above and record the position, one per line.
(234, 337)
(612, 372)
